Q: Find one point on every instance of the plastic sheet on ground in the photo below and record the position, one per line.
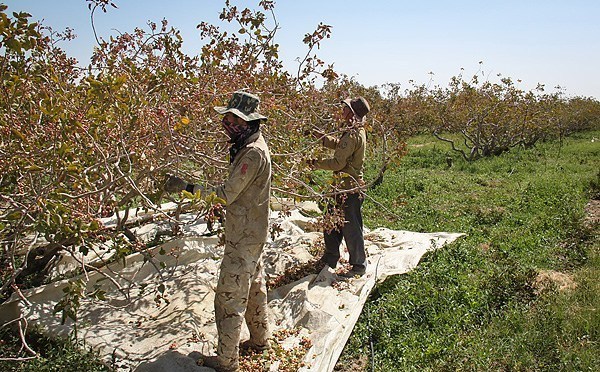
(159, 316)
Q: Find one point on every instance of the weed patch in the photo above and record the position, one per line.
(55, 354)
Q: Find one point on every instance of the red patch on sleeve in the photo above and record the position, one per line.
(244, 168)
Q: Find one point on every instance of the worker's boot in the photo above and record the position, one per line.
(218, 365)
(249, 346)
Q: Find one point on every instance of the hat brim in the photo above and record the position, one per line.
(251, 117)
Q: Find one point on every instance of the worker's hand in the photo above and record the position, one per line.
(311, 162)
(314, 133)
(174, 184)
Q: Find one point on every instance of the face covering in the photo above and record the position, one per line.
(233, 130)
(238, 136)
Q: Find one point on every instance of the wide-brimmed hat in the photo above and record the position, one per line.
(359, 106)
(243, 105)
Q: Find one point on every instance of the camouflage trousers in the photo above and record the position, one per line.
(241, 294)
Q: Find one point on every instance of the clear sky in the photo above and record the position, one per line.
(553, 42)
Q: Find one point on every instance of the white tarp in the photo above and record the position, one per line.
(135, 330)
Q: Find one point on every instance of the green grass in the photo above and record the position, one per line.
(472, 305)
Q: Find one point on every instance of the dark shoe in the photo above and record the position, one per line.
(215, 363)
(354, 272)
(249, 346)
(322, 261)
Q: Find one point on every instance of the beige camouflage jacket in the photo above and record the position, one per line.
(247, 193)
(348, 157)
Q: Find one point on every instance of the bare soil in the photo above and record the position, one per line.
(547, 279)
(592, 211)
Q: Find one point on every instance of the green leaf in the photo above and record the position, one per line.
(101, 295)
(94, 225)
(18, 134)
(13, 44)
(33, 168)
(73, 168)
(14, 215)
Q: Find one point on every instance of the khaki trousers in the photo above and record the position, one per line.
(241, 294)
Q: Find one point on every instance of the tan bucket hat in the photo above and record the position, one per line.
(244, 105)
(359, 106)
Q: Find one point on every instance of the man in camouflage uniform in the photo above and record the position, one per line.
(347, 165)
(241, 290)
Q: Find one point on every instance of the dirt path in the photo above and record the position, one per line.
(592, 211)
